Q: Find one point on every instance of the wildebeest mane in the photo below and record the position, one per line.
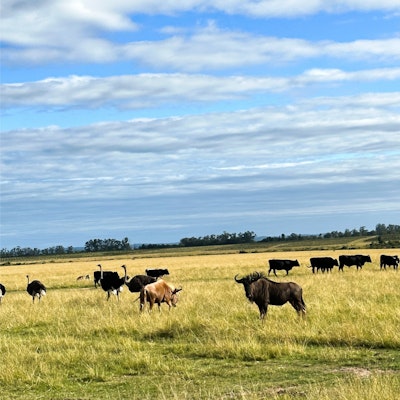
(253, 277)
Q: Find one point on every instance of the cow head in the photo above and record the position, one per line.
(175, 297)
(247, 283)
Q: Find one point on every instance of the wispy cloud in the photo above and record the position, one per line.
(152, 90)
(167, 119)
(207, 49)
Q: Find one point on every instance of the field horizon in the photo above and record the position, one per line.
(75, 344)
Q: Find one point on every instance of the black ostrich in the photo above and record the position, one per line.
(36, 289)
(2, 291)
(112, 283)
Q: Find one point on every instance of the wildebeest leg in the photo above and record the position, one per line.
(299, 306)
(263, 313)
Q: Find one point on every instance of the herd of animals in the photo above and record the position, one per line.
(153, 289)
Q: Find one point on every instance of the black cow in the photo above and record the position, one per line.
(358, 260)
(280, 265)
(389, 261)
(262, 291)
(323, 264)
(156, 273)
(138, 282)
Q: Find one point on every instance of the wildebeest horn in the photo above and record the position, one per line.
(177, 290)
(238, 280)
(255, 276)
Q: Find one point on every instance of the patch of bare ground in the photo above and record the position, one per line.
(364, 372)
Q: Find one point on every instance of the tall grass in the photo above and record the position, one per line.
(75, 344)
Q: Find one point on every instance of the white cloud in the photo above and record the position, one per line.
(76, 31)
(151, 90)
(260, 149)
(248, 120)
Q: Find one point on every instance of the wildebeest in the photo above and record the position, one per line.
(138, 282)
(156, 273)
(359, 260)
(279, 265)
(262, 291)
(389, 261)
(159, 292)
(323, 264)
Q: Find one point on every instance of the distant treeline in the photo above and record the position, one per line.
(96, 245)
(380, 230)
(209, 240)
(100, 245)
(91, 246)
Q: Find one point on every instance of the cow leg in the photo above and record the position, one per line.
(275, 273)
(151, 304)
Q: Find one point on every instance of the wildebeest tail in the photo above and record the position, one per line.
(303, 304)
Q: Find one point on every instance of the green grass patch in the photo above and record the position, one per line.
(76, 345)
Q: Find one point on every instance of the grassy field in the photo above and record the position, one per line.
(76, 345)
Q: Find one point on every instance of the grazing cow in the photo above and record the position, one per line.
(262, 291)
(158, 292)
(389, 261)
(279, 265)
(156, 273)
(359, 260)
(323, 264)
(138, 282)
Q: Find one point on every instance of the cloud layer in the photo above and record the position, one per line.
(160, 121)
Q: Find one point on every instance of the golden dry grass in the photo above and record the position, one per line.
(75, 344)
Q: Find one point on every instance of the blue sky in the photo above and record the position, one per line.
(158, 122)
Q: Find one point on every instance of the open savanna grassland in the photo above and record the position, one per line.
(76, 345)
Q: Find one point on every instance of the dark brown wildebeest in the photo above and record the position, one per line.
(138, 282)
(159, 292)
(264, 292)
(359, 260)
(280, 265)
(156, 273)
(389, 261)
(323, 263)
